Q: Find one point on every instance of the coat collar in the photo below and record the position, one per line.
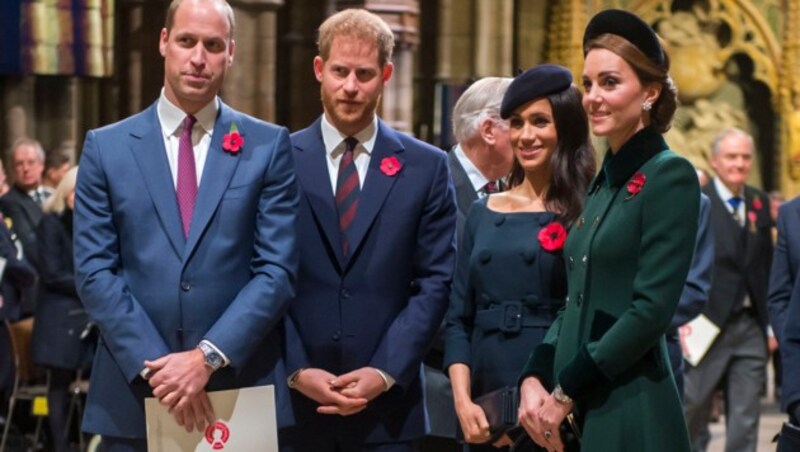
(642, 146)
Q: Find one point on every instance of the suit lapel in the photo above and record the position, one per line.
(376, 185)
(312, 172)
(217, 173)
(148, 150)
(465, 192)
(727, 227)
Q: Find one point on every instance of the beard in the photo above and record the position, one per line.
(349, 119)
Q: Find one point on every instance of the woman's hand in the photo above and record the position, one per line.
(532, 397)
(473, 422)
(550, 416)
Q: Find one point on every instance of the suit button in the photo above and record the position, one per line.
(566, 300)
(571, 262)
(345, 294)
(337, 335)
(185, 286)
(580, 299)
(584, 259)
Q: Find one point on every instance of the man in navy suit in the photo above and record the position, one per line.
(185, 241)
(783, 302)
(376, 240)
(695, 292)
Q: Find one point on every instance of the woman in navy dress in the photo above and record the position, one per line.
(60, 318)
(510, 279)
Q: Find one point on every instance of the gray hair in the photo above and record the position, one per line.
(480, 101)
(27, 142)
(730, 131)
(57, 202)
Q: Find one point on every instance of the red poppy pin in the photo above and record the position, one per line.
(390, 166)
(552, 237)
(232, 141)
(757, 204)
(636, 184)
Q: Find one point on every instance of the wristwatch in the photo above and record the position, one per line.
(212, 358)
(559, 395)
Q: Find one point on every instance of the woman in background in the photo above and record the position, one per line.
(510, 280)
(59, 317)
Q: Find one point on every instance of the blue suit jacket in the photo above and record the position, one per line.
(382, 305)
(152, 291)
(783, 300)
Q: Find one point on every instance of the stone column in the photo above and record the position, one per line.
(455, 40)
(494, 38)
(250, 84)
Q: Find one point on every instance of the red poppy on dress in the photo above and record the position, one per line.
(636, 184)
(552, 237)
(757, 204)
(752, 216)
(232, 141)
(390, 166)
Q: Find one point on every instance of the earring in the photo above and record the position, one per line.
(647, 105)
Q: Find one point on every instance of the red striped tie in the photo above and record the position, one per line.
(347, 192)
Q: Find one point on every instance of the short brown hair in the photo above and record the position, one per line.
(173, 7)
(648, 72)
(359, 24)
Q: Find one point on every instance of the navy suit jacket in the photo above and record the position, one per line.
(154, 292)
(381, 305)
(784, 299)
(17, 278)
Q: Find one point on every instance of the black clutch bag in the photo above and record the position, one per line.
(501, 409)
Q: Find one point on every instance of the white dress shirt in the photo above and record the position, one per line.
(335, 146)
(171, 119)
(476, 178)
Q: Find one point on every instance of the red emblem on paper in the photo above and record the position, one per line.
(217, 435)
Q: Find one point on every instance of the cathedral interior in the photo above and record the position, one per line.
(67, 66)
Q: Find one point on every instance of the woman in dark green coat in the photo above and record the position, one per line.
(627, 258)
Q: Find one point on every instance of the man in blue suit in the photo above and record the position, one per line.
(695, 292)
(185, 241)
(783, 302)
(376, 240)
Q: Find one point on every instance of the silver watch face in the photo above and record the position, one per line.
(213, 360)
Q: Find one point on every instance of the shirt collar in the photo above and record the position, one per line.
(333, 139)
(723, 191)
(476, 178)
(171, 117)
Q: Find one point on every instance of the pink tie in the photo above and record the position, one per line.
(187, 175)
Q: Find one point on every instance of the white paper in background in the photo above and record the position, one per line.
(697, 337)
(246, 421)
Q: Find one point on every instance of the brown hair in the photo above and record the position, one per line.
(648, 72)
(358, 24)
(572, 165)
(223, 4)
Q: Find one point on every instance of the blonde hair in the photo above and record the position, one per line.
(359, 24)
(57, 202)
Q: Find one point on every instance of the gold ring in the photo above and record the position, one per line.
(547, 434)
